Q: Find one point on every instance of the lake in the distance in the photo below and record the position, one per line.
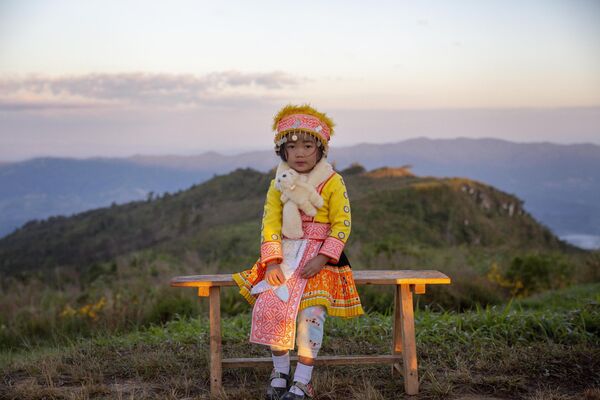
(588, 242)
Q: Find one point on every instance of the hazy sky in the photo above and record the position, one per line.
(84, 78)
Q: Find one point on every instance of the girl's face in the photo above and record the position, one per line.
(302, 154)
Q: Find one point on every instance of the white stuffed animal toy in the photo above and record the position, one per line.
(296, 194)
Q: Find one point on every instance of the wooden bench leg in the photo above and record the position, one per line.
(397, 329)
(409, 348)
(216, 373)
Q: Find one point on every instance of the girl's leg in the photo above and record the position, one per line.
(311, 322)
(281, 364)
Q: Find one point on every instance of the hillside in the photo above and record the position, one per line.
(219, 221)
(44, 187)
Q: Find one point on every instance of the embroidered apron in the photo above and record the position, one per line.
(275, 311)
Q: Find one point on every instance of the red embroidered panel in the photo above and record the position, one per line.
(270, 251)
(304, 121)
(273, 321)
(316, 230)
(304, 217)
(332, 248)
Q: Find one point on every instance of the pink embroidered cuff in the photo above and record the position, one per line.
(270, 251)
(332, 248)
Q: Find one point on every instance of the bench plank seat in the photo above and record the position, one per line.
(361, 277)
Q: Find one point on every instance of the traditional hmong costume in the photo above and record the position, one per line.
(325, 233)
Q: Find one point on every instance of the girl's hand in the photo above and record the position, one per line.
(314, 266)
(274, 275)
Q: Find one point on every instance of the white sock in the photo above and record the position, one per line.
(281, 365)
(303, 374)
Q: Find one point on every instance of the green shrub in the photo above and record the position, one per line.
(463, 294)
(169, 306)
(533, 273)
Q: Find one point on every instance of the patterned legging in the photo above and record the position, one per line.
(309, 331)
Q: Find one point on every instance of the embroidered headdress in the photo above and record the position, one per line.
(293, 120)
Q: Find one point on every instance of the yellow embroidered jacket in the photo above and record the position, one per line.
(335, 211)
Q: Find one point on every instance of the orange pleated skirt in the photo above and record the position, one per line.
(333, 287)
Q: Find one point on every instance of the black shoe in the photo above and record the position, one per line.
(307, 392)
(275, 393)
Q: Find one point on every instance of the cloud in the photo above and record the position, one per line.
(7, 105)
(93, 90)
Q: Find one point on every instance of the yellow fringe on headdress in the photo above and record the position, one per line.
(302, 109)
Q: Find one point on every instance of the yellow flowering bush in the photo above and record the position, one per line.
(90, 311)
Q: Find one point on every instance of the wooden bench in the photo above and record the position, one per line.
(404, 349)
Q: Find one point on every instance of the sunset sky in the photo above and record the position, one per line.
(99, 78)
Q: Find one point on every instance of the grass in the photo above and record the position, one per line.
(542, 347)
(132, 292)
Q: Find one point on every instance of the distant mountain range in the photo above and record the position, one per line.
(218, 222)
(560, 184)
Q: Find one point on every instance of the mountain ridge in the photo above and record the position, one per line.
(219, 221)
(559, 183)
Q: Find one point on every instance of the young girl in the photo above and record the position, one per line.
(300, 278)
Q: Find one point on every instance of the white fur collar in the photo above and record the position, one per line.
(317, 175)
